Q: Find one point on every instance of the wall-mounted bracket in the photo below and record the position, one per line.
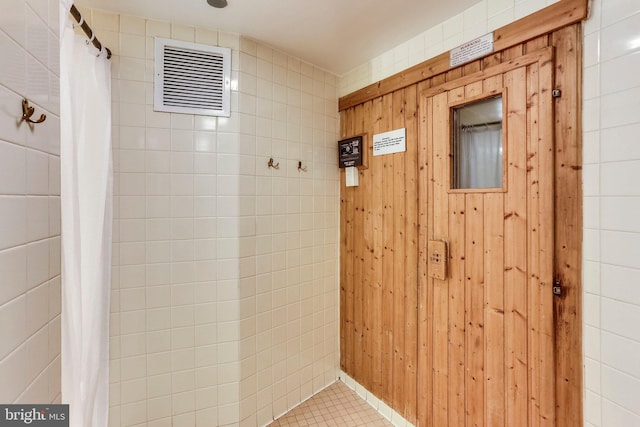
(557, 288)
(27, 112)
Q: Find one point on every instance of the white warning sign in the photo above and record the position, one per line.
(394, 141)
(471, 50)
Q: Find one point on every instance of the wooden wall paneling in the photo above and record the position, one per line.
(472, 67)
(474, 296)
(388, 259)
(489, 72)
(502, 309)
(456, 300)
(495, 310)
(474, 309)
(440, 300)
(547, 248)
(438, 80)
(349, 241)
(533, 244)
(453, 75)
(411, 253)
(568, 222)
(399, 277)
(494, 294)
(547, 244)
(368, 269)
(425, 291)
(491, 60)
(456, 234)
(376, 170)
(512, 53)
(345, 255)
(536, 44)
(473, 90)
(358, 239)
(515, 255)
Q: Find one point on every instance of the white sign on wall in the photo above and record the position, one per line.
(471, 50)
(394, 141)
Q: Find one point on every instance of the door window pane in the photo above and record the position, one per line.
(477, 144)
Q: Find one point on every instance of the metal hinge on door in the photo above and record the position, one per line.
(557, 288)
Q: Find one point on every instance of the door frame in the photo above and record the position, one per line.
(544, 57)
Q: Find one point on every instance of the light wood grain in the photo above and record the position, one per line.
(411, 252)
(568, 225)
(426, 393)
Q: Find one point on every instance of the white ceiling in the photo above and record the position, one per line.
(337, 35)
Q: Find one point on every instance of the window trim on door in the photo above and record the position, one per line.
(505, 144)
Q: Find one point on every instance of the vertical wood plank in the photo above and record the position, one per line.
(474, 311)
(494, 316)
(472, 67)
(347, 278)
(357, 215)
(536, 44)
(473, 89)
(454, 74)
(411, 253)
(344, 248)
(515, 253)
(546, 206)
(456, 300)
(398, 259)
(369, 285)
(512, 52)
(494, 294)
(387, 261)
(568, 221)
(440, 299)
(425, 371)
(376, 165)
(456, 213)
(492, 60)
(533, 249)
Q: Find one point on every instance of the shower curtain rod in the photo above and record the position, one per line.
(87, 29)
(480, 125)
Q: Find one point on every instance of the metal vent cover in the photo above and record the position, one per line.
(192, 78)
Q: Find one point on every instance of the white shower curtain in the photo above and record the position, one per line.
(480, 157)
(86, 200)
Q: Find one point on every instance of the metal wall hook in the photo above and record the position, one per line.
(27, 112)
(273, 165)
(300, 168)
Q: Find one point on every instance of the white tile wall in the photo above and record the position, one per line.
(479, 19)
(29, 205)
(611, 207)
(225, 271)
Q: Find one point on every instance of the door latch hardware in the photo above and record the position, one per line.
(556, 93)
(557, 288)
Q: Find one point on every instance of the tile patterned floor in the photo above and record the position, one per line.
(336, 405)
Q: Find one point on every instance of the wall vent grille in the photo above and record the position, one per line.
(192, 78)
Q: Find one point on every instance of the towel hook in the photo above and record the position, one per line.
(27, 112)
(273, 165)
(300, 168)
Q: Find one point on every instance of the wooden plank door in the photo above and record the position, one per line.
(486, 331)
